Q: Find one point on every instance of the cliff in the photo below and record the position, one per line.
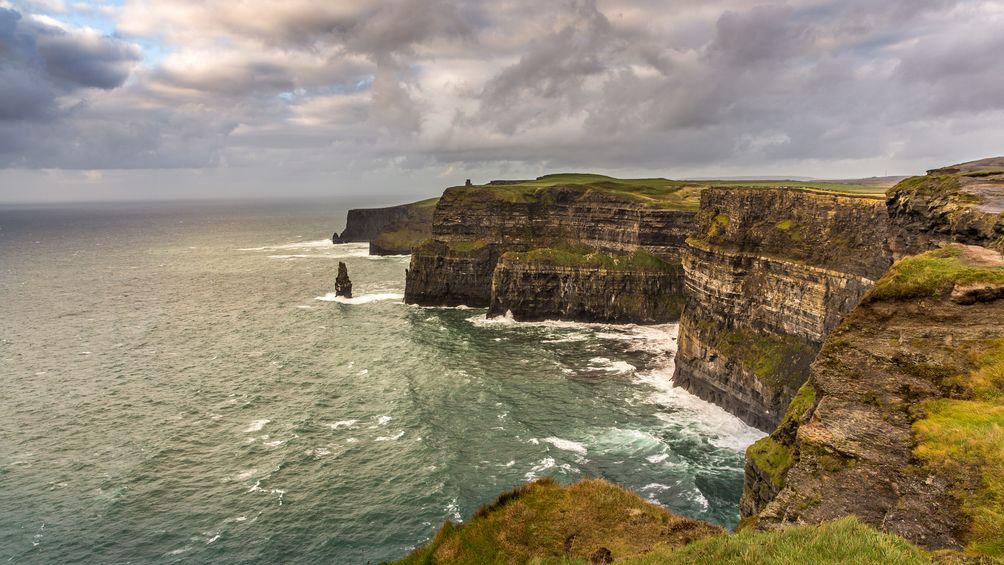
(554, 284)
(963, 203)
(901, 420)
(390, 231)
(769, 273)
(578, 230)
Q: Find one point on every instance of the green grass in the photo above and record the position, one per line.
(467, 246)
(932, 274)
(964, 438)
(657, 192)
(846, 541)
(773, 458)
(772, 454)
(546, 522)
(584, 257)
(427, 203)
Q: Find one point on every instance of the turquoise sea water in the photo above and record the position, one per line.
(180, 386)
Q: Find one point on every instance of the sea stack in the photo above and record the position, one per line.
(343, 285)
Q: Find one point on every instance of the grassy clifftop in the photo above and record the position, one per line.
(658, 192)
(598, 522)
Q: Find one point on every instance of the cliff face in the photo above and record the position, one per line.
(606, 221)
(900, 421)
(596, 233)
(963, 203)
(451, 274)
(535, 290)
(389, 231)
(364, 224)
(769, 273)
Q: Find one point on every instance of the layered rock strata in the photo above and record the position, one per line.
(531, 289)
(899, 422)
(475, 227)
(769, 273)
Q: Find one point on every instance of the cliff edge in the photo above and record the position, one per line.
(963, 203)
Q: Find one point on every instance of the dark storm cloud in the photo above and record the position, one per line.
(40, 63)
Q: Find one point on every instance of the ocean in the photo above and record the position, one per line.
(180, 385)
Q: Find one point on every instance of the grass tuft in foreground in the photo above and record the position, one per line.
(544, 522)
(845, 541)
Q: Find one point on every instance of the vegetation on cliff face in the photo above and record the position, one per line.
(585, 257)
(779, 360)
(410, 230)
(775, 454)
(545, 522)
(597, 522)
(964, 438)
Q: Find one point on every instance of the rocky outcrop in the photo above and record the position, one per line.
(390, 231)
(475, 227)
(899, 422)
(451, 274)
(769, 273)
(343, 285)
(963, 203)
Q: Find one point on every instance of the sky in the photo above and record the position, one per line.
(391, 99)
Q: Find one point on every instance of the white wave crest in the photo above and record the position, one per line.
(566, 445)
(313, 244)
(364, 299)
(609, 365)
(256, 426)
(342, 424)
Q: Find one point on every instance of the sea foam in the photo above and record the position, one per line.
(364, 299)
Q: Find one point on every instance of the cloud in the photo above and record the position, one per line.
(41, 63)
(373, 86)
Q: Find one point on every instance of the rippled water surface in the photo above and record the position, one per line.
(179, 385)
